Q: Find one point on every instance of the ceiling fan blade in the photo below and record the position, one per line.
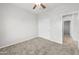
(43, 6)
(34, 6)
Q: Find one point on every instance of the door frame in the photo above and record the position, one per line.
(71, 13)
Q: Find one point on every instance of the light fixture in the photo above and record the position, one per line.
(39, 5)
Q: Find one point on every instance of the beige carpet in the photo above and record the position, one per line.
(38, 46)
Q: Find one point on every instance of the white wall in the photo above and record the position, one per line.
(50, 28)
(17, 25)
(75, 28)
(51, 23)
(44, 27)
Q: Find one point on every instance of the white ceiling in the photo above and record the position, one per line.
(29, 6)
(49, 6)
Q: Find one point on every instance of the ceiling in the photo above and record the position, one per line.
(29, 6)
(49, 6)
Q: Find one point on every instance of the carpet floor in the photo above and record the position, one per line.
(38, 46)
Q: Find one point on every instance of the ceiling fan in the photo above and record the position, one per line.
(42, 5)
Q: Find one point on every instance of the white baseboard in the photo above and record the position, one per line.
(50, 39)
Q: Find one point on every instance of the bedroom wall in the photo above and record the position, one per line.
(75, 28)
(52, 25)
(50, 28)
(44, 26)
(17, 25)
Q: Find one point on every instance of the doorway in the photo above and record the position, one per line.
(66, 33)
(67, 28)
(67, 38)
